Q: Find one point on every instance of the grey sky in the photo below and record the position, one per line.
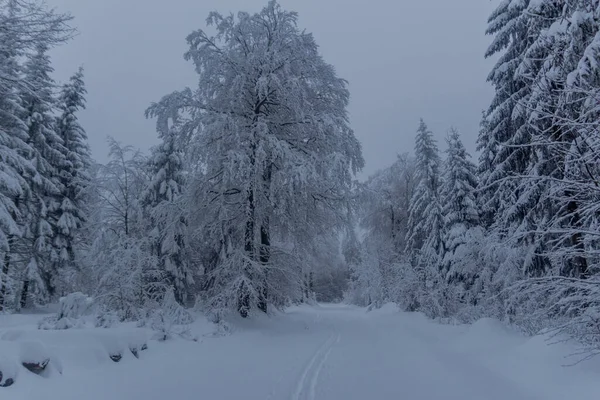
(404, 60)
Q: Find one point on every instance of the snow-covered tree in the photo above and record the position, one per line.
(527, 34)
(385, 202)
(538, 141)
(487, 146)
(504, 139)
(26, 25)
(425, 223)
(459, 204)
(121, 183)
(74, 173)
(268, 129)
(13, 146)
(126, 273)
(47, 155)
(169, 223)
(425, 235)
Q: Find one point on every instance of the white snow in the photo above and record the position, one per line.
(326, 352)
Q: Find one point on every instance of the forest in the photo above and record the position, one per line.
(251, 202)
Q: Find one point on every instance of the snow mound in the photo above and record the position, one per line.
(8, 370)
(485, 335)
(490, 326)
(12, 335)
(327, 352)
(385, 309)
(29, 351)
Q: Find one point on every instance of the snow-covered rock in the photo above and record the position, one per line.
(8, 371)
(24, 349)
(34, 356)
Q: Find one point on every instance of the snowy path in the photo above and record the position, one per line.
(377, 357)
(333, 353)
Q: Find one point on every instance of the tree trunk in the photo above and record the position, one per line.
(579, 262)
(578, 266)
(24, 293)
(265, 255)
(244, 293)
(265, 243)
(393, 224)
(4, 280)
(243, 301)
(305, 287)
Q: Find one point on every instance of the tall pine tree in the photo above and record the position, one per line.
(74, 172)
(161, 200)
(425, 224)
(504, 117)
(47, 154)
(425, 235)
(460, 208)
(13, 144)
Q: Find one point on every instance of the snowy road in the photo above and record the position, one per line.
(333, 353)
(366, 357)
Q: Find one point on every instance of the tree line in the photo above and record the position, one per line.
(250, 200)
(232, 211)
(514, 237)
(44, 156)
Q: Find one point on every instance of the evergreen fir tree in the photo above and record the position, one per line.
(460, 208)
(13, 147)
(74, 173)
(520, 33)
(169, 223)
(47, 154)
(498, 138)
(426, 226)
(424, 205)
(487, 147)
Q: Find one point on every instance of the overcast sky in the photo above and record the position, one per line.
(404, 60)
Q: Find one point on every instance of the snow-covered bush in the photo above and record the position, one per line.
(223, 328)
(106, 319)
(74, 305)
(408, 292)
(566, 307)
(72, 309)
(124, 269)
(170, 318)
(365, 287)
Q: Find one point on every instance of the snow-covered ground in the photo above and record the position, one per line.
(326, 352)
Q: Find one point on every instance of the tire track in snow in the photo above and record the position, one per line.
(306, 387)
(317, 373)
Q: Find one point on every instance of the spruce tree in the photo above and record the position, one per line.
(511, 127)
(161, 201)
(561, 50)
(425, 235)
(13, 147)
(424, 220)
(47, 155)
(74, 173)
(504, 117)
(578, 144)
(460, 208)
